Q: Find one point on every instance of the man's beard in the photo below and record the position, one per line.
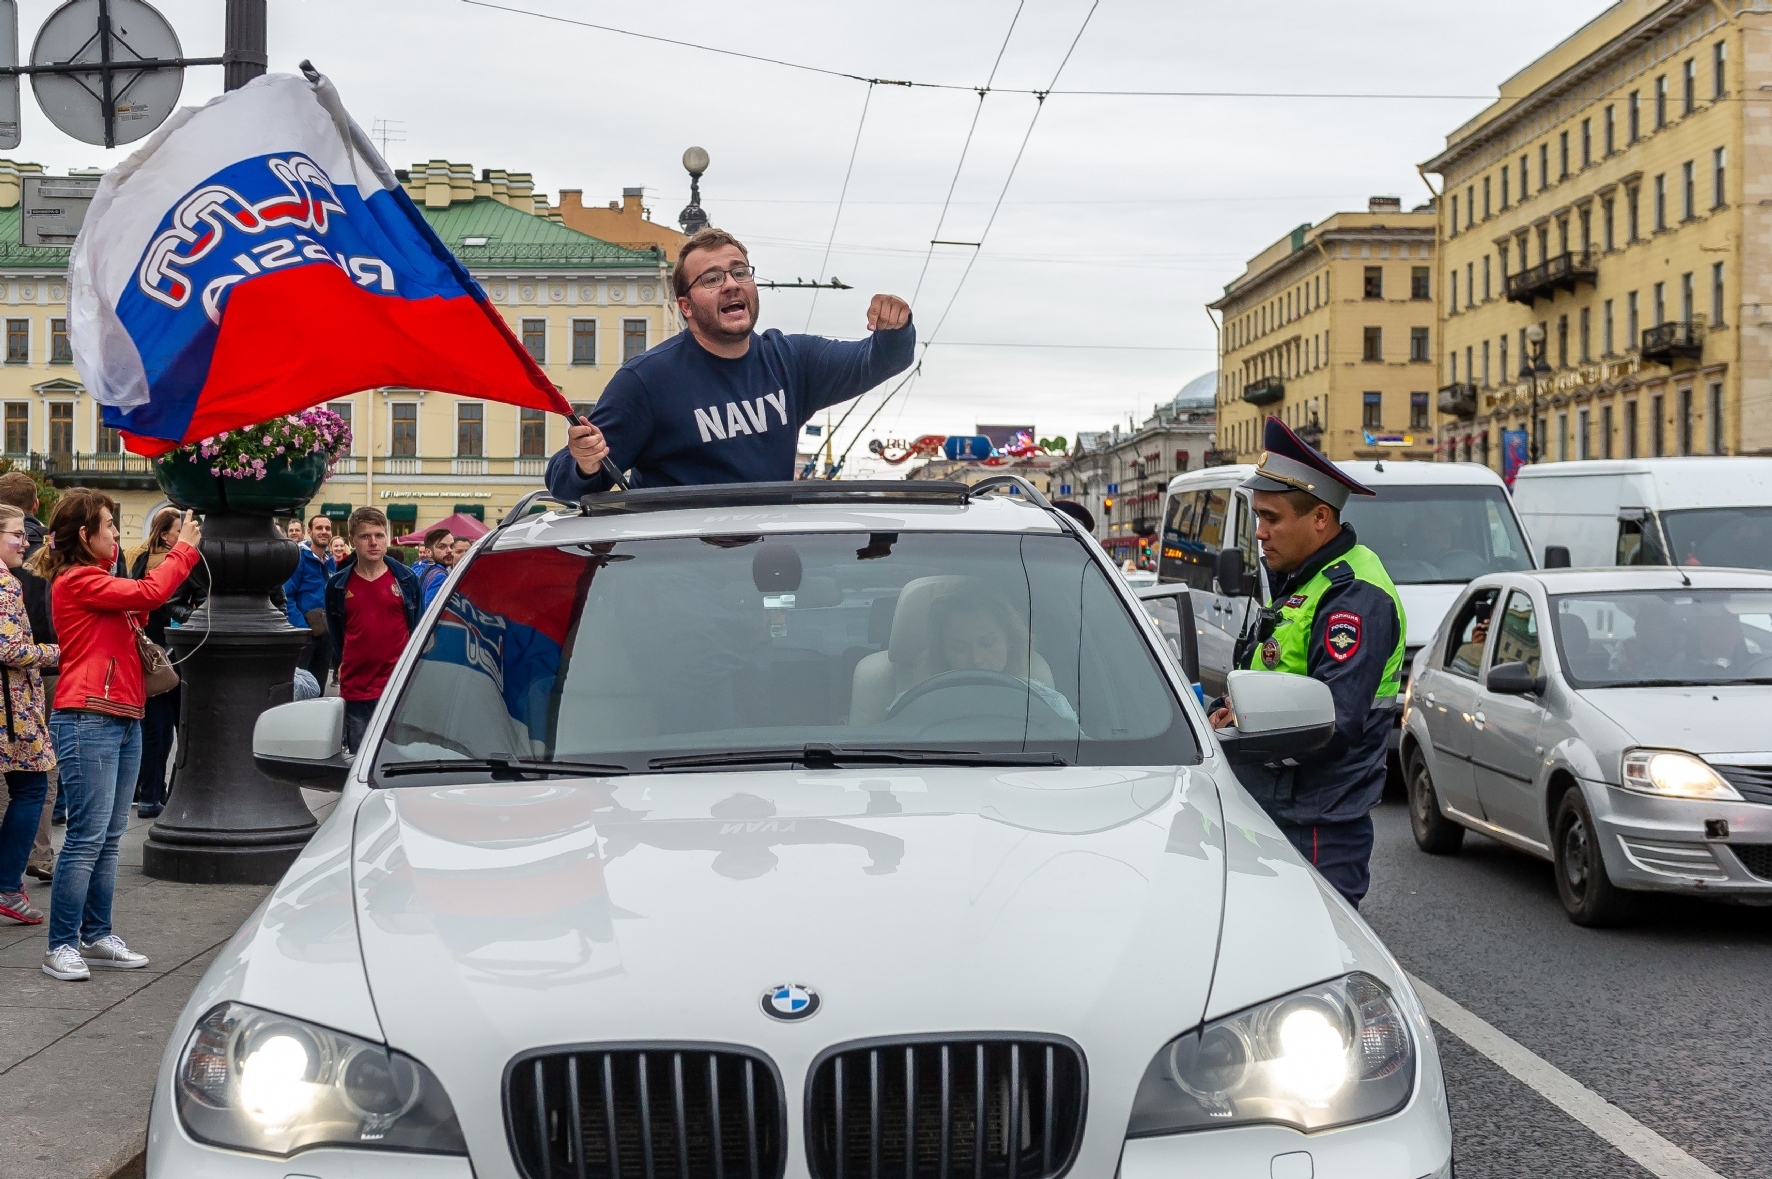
(709, 321)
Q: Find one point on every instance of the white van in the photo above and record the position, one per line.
(1436, 526)
(1711, 510)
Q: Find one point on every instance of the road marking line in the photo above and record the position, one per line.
(1638, 1142)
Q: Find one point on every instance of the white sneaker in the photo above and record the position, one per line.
(65, 963)
(110, 952)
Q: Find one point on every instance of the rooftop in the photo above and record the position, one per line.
(485, 232)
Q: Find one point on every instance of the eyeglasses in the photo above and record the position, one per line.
(713, 280)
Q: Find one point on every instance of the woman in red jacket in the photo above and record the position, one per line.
(96, 726)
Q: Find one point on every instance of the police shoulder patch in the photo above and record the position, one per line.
(1341, 637)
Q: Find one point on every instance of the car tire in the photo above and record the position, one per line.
(1434, 833)
(1588, 894)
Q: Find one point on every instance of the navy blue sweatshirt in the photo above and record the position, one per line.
(677, 414)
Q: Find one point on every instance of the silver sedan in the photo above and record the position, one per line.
(1610, 720)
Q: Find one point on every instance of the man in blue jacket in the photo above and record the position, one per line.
(721, 402)
(305, 596)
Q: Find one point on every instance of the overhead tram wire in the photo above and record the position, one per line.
(1040, 105)
(841, 196)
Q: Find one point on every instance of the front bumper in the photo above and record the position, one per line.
(1663, 845)
(1378, 1150)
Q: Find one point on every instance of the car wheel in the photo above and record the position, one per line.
(1588, 894)
(1435, 834)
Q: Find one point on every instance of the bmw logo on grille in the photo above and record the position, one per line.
(790, 1001)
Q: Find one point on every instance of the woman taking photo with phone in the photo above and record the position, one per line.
(96, 726)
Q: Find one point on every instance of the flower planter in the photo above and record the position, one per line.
(287, 486)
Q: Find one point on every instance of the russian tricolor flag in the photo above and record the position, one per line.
(258, 257)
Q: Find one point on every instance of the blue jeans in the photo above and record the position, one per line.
(99, 758)
(25, 791)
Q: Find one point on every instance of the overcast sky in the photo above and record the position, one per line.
(1125, 216)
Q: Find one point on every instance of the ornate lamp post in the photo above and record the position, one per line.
(1533, 367)
(692, 218)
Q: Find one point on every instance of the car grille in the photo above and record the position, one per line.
(1755, 857)
(670, 1112)
(1753, 783)
(998, 1108)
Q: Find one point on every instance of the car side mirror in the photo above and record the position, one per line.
(1277, 716)
(1556, 556)
(302, 744)
(1513, 679)
(1228, 569)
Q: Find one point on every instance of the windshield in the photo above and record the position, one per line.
(623, 654)
(1665, 637)
(1446, 534)
(1741, 537)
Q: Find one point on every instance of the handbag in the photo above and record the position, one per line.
(316, 620)
(158, 675)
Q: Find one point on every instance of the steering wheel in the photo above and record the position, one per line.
(969, 678)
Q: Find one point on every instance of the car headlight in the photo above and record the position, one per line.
(254, 1080)
(1328, 1055)
(1674, 775)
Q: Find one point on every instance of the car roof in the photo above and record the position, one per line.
(1694, 481)
(985, 513)
(1614, 578)
(1376, 474)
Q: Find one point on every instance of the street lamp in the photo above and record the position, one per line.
(692, 218)
(1532, 367)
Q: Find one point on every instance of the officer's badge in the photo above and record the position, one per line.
(1294, 602)
(1270, 654)
(1342, 635)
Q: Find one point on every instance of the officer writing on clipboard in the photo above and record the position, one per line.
(722, 402)
(1334, 616)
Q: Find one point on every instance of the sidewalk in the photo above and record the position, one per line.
(78, 1060)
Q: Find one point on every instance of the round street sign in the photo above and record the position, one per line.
(140, 99)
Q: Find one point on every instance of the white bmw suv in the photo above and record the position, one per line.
(820, 830)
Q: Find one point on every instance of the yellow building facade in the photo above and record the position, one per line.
(580, 305)
(1331, 329)
(1616, 200)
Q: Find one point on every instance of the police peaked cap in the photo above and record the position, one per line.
(1289, 463)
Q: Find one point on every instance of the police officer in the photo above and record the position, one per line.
(1334, 616)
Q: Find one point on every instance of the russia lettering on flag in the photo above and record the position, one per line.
(258, 257)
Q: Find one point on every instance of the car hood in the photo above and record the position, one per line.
(499, 918)
(1424, 606)
(1706, 721)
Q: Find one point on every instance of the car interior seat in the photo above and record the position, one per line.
(910, 657)
(1586, 659)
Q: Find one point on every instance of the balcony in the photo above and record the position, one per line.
(1562, 273)
(110, 472)
(1668, 342)
(1265, 391)
(1459, 400)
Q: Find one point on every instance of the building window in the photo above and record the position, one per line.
(583, 408)
(1470, 205)
(1686, 297)
(1657, 427)
(1562, 235)
(1373, 411)
(1374, 344)
(1688, 191)
(1485, 364)
(1470, 282)
(1485, 198)
(1632, 207)
(1454, 232)
(1453, 287)
(1606, 210)
(1501, 358)
(1581, 434)
(1586, 336)
(1419, 287)
(343, 410)
(1660, 304)
(1716, 295)
(1630, 429)
(584, 341)
(1660, 201)
(1563, 156)
(1562, 438)
(109, 441)
(633, 338)
(18, 341)
(1587, 142)
(1611, 132)
(1418, 411)
(1689, 87)
(1632, 322)
(1543, 166)
(1504, 201)
(535, 339)
(1606, 338)
(1587, 229)
(1661, 102)
(1685, 423)
(1718, 161)
(1374, 282)
(470, 429)
(61, 428)
(1525, 182)
(1605, 431)
(1486, 287)
(1563, 341)
(532, 433)
(1418, 343)
(403, 438)
(1714, 411)
(59, 351)
(1501, 252)
(1718, 53)
(1636, 115)
(1452, 367)
(18, 427)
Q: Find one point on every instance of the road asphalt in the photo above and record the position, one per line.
(1668, 1019)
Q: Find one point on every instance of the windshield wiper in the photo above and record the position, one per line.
(505, 769)
(818, 756)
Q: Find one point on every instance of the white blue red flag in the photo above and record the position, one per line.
(258, 257)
